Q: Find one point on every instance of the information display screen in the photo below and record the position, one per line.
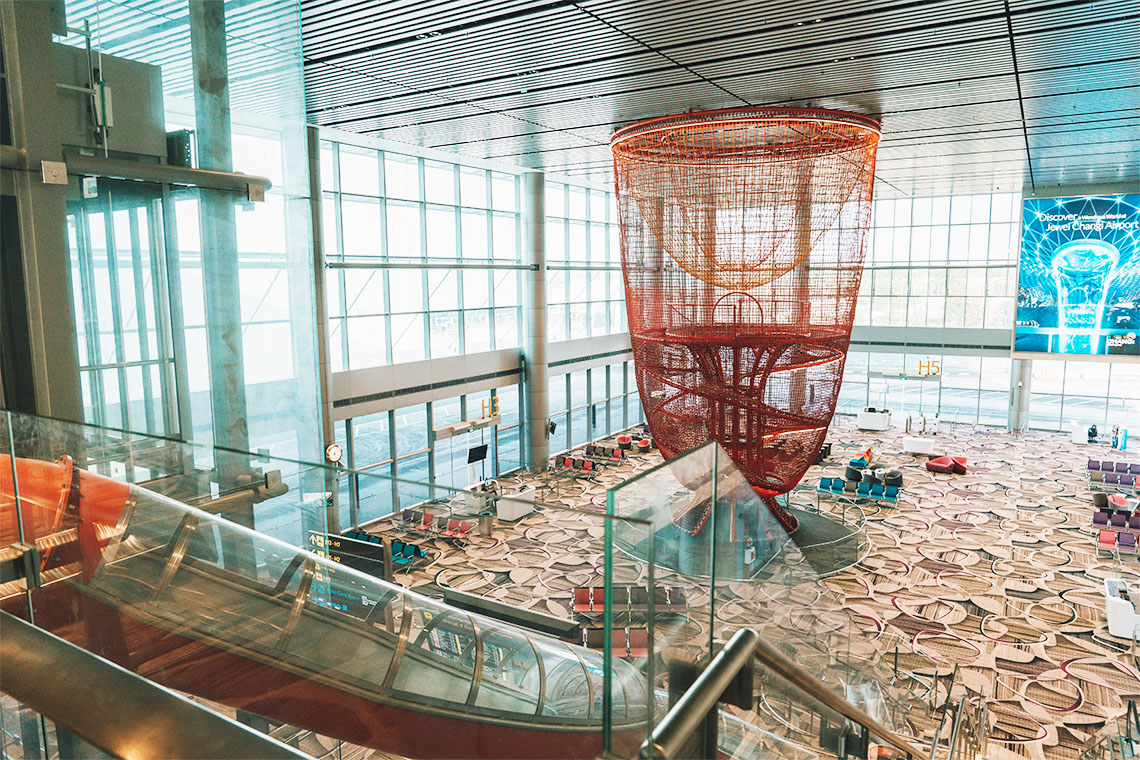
(1079, 276)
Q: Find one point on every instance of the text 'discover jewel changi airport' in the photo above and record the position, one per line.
(742, 243)
(1079, 280)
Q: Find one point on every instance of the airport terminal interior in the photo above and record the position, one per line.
(570, 379)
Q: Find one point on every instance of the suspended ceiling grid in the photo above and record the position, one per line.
(544, 84)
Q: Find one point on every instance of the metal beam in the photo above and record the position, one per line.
(212, 179)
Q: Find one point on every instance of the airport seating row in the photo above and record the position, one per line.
(1105, 466)
(403, 553)
(1110, 475)
(1121, 480)
(359, 535)
(459, 530)
(591, 600)
(583, 465)
(1117, 520)
(627, 642)
(858, 490)
(604, 452)
(1120, 542)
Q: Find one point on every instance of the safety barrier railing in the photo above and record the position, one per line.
(1120, 739)
(115, 710)
(687, 730)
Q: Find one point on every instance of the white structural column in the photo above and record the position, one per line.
(536, 447)
(1020, 377)
(328, 432)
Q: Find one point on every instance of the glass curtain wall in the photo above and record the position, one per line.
(424, 257)
(951, 262)
(592, 403)
(584, 290)
(941, 262)
(399, 443)
(1091, 393)
(969, 389)
(194, 308)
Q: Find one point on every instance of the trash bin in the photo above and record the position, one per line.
(486, 523)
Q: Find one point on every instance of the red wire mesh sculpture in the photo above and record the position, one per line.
(742, 236)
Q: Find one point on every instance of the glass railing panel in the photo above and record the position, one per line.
(553, 565)
(175, 591)
(279, 497)
(739, 567)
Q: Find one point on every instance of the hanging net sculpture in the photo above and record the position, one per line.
(742, 237)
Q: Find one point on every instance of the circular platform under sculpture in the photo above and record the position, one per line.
(742, 244)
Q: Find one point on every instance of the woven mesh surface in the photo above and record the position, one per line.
(742, 236)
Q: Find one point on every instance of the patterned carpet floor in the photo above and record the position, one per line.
(988, 580)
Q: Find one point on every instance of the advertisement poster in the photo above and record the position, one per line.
(1079, 276)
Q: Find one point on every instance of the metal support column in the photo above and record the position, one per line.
(29, 59)
(802, 231)
(324, 363)
(220, 280)
(536, 448)
(1020, 380)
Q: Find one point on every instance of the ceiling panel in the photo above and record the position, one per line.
(545, 84)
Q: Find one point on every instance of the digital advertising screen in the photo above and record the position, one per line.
(1078, 289)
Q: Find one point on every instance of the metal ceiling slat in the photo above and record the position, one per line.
(547, 89)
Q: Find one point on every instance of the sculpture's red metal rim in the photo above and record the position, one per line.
(747, 115)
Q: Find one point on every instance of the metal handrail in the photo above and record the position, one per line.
(691, 710)
(783, 666)
(694, 705)
(117, 711)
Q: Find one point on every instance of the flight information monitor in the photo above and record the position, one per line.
(1078, 287)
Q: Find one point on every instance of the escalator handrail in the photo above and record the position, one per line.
(116, 710)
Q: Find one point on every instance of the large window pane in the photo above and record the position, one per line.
(367, 342)
(359, 171)
(503, 191)
(404, 230)
(477, 331)
(406, 288)
(474, 227)
(444, 333)
(401, 176)
(364, 291)
(443, 289)
(473, 187)
(407, 338)
(439, 183)
(361, 227)
(441, 231)
(507, 328)
(411, 429)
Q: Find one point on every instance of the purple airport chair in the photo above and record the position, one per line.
(1126, 542)
(1107, 466)
(1111, 479)
(1094, 464)
(1118, 521)
(1134, 468)
(1100, 519)
(1122, 467)
(1128, 481)
(1134, 522)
